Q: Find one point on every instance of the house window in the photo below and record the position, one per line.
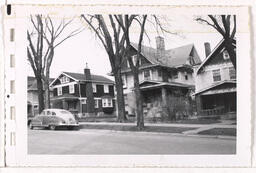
(225, 55)
(232, 73)
(59, 91)
(94, 88)
(147, 74)
(124, 81)
(71, 89)
(175, 75)
(107, 102)
(186, 76)
(64, 79)
(216, 75)
(106, 89)
(96, 103)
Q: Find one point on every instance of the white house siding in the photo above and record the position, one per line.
(205, 78)
(32, 97)
(181, 78)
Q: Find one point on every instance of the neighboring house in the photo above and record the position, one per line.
(83, 94)
(216, 83)
(166, 80)
(32, 96)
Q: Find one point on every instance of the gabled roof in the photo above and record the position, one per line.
(219, 47)
(175, 57)
(81, 77)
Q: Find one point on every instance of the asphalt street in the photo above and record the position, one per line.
(87, 141)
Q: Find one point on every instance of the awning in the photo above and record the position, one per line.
(219, 91)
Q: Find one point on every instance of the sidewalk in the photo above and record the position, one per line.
(182, 129)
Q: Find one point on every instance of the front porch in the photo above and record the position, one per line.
(166, 101)
(218, 101)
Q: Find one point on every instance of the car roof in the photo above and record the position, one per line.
(55, 110)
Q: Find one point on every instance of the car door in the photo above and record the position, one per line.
(47, 118)
(38, 120)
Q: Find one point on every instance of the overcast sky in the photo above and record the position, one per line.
(73, 54)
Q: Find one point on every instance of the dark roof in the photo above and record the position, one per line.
(81, 77)
(175, 57)
(32, 84)
(153, 83)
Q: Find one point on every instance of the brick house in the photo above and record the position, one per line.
(216, 83)
(166, 80)
(83, 94)
(32, 96)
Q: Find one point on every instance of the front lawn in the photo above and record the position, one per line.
(219, 131)
(196, 121)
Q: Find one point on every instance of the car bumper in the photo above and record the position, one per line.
(67, 125)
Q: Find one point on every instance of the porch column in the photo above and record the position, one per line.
(165, 109)
(198, 104)
(64, 105)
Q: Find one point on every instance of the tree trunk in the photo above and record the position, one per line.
(138, 100)
(120, 97)
(40, 94)
(47, 94)
(230, 49)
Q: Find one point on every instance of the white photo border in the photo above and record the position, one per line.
(18, 155)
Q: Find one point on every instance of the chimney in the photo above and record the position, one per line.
(89, 91)
(160, 48)
(207, 48)
(87, 72)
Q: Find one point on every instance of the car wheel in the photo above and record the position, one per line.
(31, 126)
(52, 127)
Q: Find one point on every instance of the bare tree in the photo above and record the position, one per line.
(226, 26)
(125, 23)
(113, 41)
(40, 56)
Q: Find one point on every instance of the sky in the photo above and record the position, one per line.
(73, 54)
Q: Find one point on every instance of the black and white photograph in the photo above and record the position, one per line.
(128, 86)
(131, 84)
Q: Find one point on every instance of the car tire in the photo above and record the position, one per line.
(52, 127)
(31, 126)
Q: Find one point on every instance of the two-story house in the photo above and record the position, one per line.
(83, 94)
(32, 96)
(166, 79)
(216, 83)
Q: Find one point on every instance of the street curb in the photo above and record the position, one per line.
(162, 133)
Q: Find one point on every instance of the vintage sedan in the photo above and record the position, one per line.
(52, 118)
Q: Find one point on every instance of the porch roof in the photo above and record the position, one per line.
(219, 88)
(65, 97)
(149, 84)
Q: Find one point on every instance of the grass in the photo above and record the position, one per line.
(219, 131)
(134, 128)
(196, 121)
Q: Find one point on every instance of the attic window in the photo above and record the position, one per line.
(225, 55)
(64, 79)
